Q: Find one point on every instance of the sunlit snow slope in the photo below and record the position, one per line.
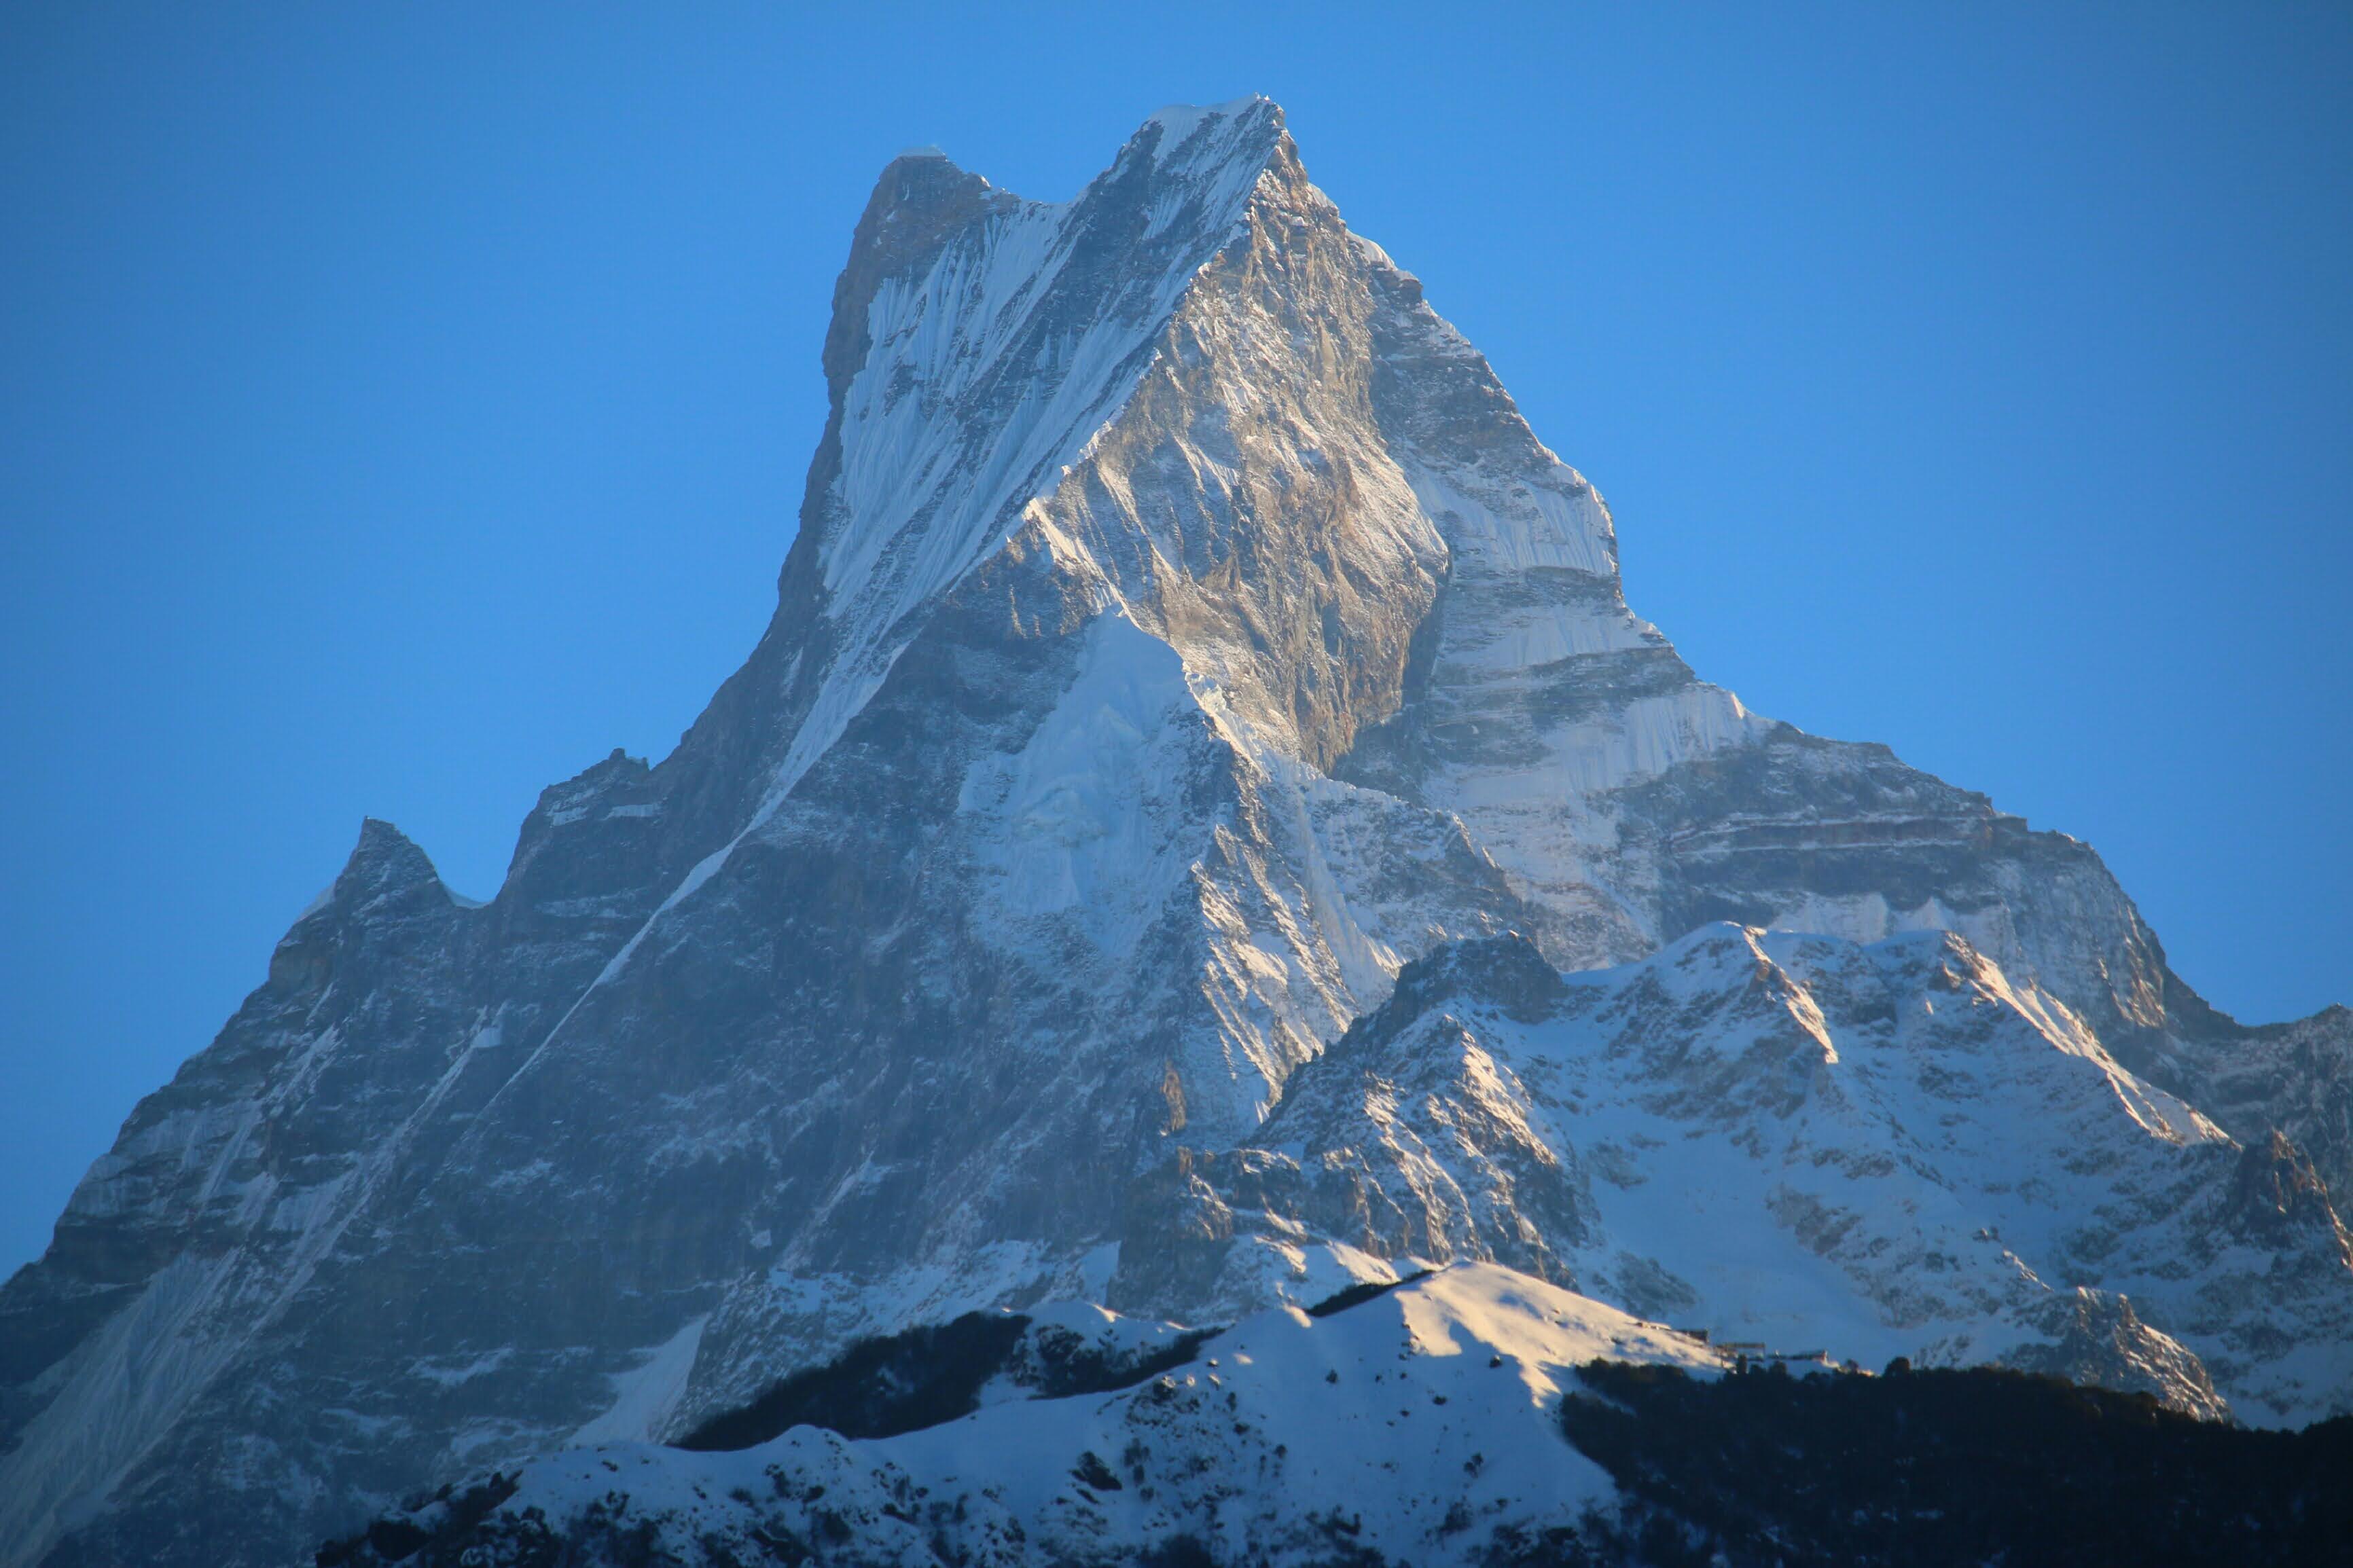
(1419, 1425)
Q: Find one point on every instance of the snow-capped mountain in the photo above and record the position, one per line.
(1185, 636)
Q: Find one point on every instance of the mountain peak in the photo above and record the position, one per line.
(920, 200)
(1195, 135)
(1188, 649)
(386, 861)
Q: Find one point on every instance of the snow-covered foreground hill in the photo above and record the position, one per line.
(1185, 636)
(1416, 1424)
(1468, 1416)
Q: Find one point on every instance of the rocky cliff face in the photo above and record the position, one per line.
(1184, 634)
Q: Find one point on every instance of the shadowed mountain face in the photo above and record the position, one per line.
(1184, 632)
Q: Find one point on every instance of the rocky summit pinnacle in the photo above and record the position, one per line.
(1203, 829)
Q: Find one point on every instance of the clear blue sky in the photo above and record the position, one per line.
(402, 404)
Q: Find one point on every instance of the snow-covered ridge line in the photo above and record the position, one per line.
(1891, 1150)
(1419, 1424)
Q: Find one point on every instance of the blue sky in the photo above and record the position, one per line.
(403, 405)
